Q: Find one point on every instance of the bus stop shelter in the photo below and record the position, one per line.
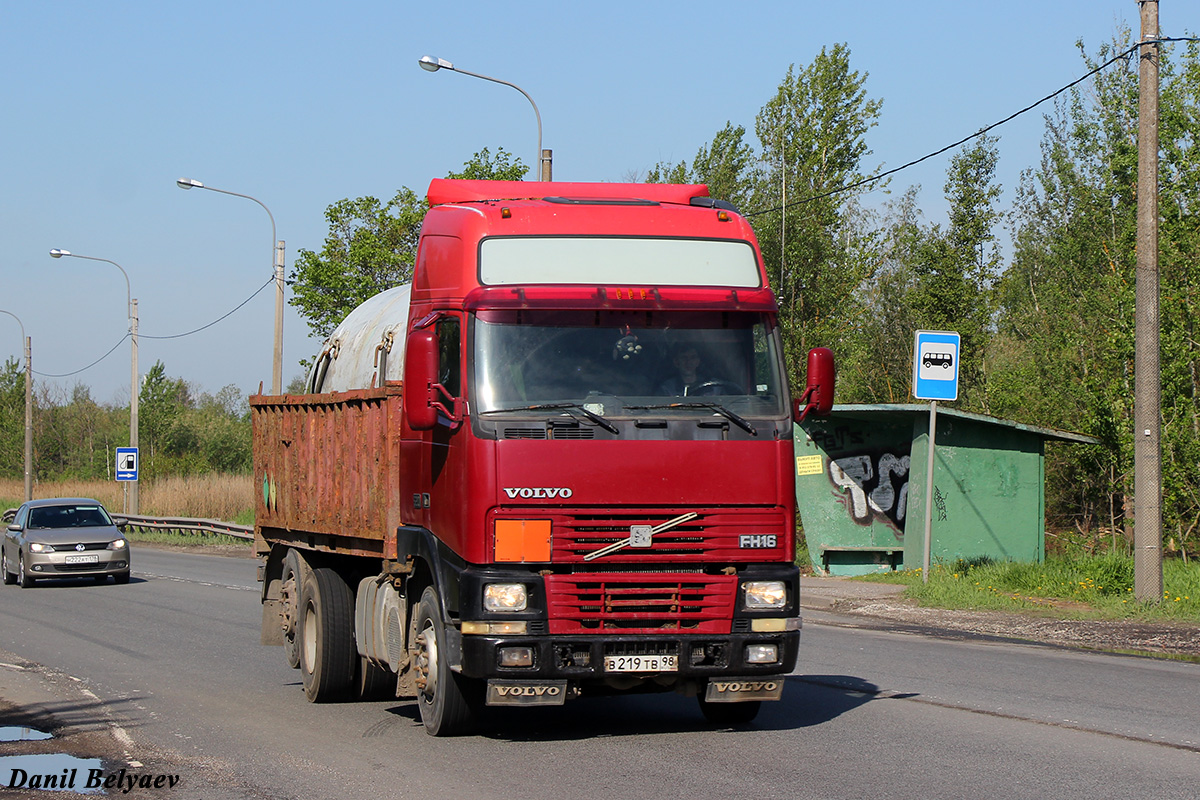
(860, 487)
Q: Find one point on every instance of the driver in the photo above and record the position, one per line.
(687, 366)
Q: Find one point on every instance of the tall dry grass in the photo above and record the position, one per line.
(222, 497)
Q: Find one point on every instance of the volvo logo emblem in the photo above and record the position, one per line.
(539, 493)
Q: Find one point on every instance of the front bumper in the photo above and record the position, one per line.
(55, 564)
(582, 658)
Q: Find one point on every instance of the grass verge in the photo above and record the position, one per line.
(1097, 586)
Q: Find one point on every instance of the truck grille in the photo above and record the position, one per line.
(640, 603)
(716, 536)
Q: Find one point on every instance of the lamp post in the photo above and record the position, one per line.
(277, 361)
(133, 362)
(28, 406)
(433, 64)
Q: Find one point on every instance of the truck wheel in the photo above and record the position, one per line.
(325, 631)
(373, 682)
(730, 713)
(443, 696)
(289, 594)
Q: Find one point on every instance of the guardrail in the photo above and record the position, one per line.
(190, 525)
(177, 524)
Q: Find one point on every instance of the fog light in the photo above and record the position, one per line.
(519, 628)
(762, 653)
(516, 656)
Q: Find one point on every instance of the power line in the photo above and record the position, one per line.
(1123, 54)
(146, 336)
(89, 366)
(218, 319)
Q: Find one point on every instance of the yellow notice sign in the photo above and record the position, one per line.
(809, 465)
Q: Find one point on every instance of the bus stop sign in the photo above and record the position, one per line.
(935, 365)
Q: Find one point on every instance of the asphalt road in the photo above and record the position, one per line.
(169, 666)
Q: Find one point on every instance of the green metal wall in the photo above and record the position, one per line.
(860, 488)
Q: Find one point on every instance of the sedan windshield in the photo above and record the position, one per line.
(627, 363)
(68, 516)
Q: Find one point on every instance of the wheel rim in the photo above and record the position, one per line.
(427, 662)
(288, 594)
(310, 638)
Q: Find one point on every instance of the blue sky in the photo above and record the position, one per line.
(300, 104)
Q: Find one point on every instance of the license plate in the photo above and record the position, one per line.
(93, 559)
(641, 663)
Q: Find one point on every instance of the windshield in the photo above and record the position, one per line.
(615, 361)
(68, 516)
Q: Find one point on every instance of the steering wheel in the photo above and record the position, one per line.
(711, 388)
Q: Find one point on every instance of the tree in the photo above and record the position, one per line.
(813, 142)
(955, 269)
(726, 165)
(372, 246)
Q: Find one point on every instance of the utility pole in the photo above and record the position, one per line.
(1147, 401)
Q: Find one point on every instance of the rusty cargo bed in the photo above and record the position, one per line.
(328, 470)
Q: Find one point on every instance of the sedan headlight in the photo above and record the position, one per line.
(762, 595)
(117, 544)
(505, 597)
(38, 547)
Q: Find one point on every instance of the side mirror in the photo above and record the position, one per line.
(120, 523)
(818, 395)
(420, 375)
(15, 528)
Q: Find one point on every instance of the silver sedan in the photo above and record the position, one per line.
(64, 537)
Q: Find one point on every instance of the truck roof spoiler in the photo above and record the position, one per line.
(447, 190)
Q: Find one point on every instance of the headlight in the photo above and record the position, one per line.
(116, 544)
(38, 547)
(505, 597)
(765, 594)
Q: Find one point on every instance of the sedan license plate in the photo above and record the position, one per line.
(663, 663)
(92, 559)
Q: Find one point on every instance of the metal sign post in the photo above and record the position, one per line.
(935, 377)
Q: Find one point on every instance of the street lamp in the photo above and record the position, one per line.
(433, 64)
(28, 407)
(277, 365)
(133, 362)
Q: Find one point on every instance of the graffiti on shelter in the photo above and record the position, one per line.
(873, 487)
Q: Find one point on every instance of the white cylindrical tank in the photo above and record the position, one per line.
(367, 348)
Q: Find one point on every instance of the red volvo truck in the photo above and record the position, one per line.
(559, 463)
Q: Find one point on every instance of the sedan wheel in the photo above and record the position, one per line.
(23, 577)
(5, 572)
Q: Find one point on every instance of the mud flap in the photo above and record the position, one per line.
(737, 690)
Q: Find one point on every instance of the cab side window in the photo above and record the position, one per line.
(449, 368)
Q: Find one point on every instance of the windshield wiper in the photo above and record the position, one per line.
(717, 407)
(591, 415)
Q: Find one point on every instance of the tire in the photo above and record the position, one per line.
(325, 633)
(373, 682)
(730, 713)
(446, 699)
(9, 577)
(290, 593)
(24, 578)
(121, 577)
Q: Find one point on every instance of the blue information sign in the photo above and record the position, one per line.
(127, 463)
(935, 365)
